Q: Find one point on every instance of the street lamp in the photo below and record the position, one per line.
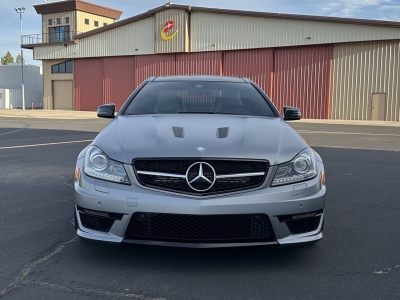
(20, 11)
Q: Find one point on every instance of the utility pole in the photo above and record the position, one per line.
(20, 11)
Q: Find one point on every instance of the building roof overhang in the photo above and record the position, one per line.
(69, 5)
(64, 43)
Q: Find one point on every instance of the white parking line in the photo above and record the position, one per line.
(26, 125)
(48, 144)
(347, 133)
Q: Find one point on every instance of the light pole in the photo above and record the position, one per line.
(20, 11)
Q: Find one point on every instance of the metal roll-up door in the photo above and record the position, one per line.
(62, 94)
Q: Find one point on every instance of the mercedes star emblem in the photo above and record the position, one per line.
(200, 176)
(201, 149)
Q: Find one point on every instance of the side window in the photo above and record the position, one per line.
(64, 67)
(58, 21)
(86, 21)
(105, 24)
(50, 22)
(96, 23)
(67, 20)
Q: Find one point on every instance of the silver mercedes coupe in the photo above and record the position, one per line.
(199, 161)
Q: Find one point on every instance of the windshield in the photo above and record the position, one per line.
(205, 97)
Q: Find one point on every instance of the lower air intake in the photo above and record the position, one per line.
(200, 228)
(95, 222)
(303, 226)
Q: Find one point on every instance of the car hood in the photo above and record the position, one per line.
(178, 136)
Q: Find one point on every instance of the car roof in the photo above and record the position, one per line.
(198, 78)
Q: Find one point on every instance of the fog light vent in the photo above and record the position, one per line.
(302, 223)
(96, 213)
(303, 216)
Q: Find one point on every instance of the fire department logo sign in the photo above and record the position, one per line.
(167, 32)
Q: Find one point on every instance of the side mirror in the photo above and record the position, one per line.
(106, 111)
(291, 113)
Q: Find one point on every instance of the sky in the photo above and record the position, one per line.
(31, 21)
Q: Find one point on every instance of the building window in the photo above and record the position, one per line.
(96, 23)
(64, 67)
(58, 21)
(50, 22)
(87, 21)
(59, 34)
(67, 20)
(68, 66)
(105, 24)
(61, 68)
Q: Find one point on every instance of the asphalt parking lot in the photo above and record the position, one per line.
(41, 257)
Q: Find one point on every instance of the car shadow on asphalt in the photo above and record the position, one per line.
(144, 257)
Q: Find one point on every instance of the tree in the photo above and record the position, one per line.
(7, 59)
(18, 59)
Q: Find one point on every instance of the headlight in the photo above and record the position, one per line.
(98, 165)
(301, 168)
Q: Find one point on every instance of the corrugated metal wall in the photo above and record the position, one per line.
(154, 65)
(34, 98)
(124, 40)
(4, 98)
(204, 63)
(296, 76)
(360, 69)
(302, 79)
(10, 76)
(258, 65)
(88, 84)
(111, 80)
(118, 79)
(179, 42)
(299, 76)
(210, 32)
(99, 81)
(216, 32)
(12, 98)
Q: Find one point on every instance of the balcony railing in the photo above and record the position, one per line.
(53, 37)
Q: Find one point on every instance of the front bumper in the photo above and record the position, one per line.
(126, 200)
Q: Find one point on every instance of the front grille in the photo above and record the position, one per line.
(200, 228)
(303, 226)
(221, 167)
(95, 222)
